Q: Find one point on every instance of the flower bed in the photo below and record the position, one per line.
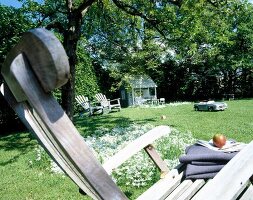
(137, 171)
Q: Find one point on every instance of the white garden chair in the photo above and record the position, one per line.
(87, 105)
(108, 103)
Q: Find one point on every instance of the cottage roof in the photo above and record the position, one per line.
(142, 82)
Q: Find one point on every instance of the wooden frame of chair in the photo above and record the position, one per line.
(108, 103)
(87, 106)
(28, 92)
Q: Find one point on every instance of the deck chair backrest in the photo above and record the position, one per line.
(108, 103)
(37, 65)
(83, 101)
(101, 98)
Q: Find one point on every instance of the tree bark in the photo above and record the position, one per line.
(71, 37)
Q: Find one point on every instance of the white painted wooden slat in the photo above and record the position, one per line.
(192, 190)
(101, 98)
(231, 178)
(135, 146)
(248, 195)
(179, 190)
(162, 188)
(240, 190)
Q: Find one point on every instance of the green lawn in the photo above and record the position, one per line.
(22, 180)
(236, 122)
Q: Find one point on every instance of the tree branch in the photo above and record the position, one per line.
(135, 12)
(56, 25)
(84, 6)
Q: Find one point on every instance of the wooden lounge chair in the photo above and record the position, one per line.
(30, 78)
(87, 106)
(108, 103)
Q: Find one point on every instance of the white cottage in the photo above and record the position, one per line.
(139, 90)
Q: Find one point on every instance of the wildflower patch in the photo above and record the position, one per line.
(139, 170)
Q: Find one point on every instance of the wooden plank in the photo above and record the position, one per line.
(162, 188)
(233, 176)
(56, 127)
(248, 194)
(239, 192)
(27, 117)
(67, 137)
(135, 147)
(102, 100)
(179, 190)
(156, 158)
(42, 48)
(188, 194)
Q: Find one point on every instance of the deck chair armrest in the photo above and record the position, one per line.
(114, 99)
(135, 146)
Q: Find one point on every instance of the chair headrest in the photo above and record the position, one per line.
(45, 55)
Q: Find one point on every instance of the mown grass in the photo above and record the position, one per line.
(236, 122)
(20, 180)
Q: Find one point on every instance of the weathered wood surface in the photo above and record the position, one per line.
(44, 51)
(156, 158)
(161, 189)
(47, 119)
(180, 190)
(134, 147)
(192, 190)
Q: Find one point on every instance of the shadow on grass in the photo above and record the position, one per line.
(87, 125)
(21, 143)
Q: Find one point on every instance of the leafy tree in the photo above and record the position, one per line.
(13, 23)
(195, 39)
(86, 80)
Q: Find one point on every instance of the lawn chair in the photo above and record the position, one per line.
(87, 106)
(26, 74)
(107, 103)
(162, 101)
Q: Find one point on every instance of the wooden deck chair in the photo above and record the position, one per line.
(30, 78)
(87, 106)
(108, 103)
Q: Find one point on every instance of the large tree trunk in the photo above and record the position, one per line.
(71, 38)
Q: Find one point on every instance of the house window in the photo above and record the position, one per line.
(138, 93)
(152, 91)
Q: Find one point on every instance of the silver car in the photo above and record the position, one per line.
(210, 106)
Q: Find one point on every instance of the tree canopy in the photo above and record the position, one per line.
(191, 48)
